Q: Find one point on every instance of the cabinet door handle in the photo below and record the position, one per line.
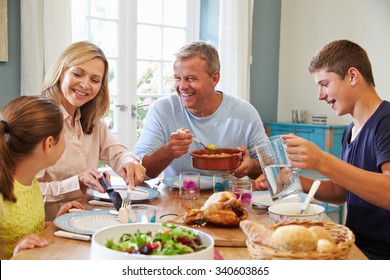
(303, 130)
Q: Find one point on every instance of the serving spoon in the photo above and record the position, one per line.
(310, 195)
(210, 147)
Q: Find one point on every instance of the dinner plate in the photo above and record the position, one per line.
(138, 194)
(263, 199)
(206, 182)
(87, 222)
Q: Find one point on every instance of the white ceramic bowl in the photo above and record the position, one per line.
(283, 212)
(100, 252)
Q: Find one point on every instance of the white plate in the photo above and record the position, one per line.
(140, 193)
(206, 182)
(87, 222)
(263, 199)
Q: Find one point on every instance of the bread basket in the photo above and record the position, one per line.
(342, 235)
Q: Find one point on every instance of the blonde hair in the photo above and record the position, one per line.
(75, 54)
(26, 121)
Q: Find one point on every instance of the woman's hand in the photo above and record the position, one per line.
(28, 242)
(90, 179)
(132, 172)
(69, 205)
(131, 169)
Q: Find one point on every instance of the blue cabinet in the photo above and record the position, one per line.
(326, 137)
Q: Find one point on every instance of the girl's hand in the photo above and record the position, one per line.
(72, 204)
(28, 242)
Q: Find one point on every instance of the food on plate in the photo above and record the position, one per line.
(126, 216)
(295, 238)
(222, 208)
(169, 240)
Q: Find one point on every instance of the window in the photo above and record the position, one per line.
(139, 42)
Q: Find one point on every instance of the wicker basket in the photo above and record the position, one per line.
(342, 235)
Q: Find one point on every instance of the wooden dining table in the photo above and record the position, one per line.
(229, 242)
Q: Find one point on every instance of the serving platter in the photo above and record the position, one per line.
(87, 222)
(206, 182)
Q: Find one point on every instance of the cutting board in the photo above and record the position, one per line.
(226, 236)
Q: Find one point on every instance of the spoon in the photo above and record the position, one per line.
(210, 147)
(310, 195)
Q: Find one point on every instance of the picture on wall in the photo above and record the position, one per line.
(3, 31)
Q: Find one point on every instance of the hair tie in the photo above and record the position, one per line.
(6, 125)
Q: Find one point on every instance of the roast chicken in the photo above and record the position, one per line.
(222, 208)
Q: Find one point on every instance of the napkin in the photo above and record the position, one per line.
(217, 255)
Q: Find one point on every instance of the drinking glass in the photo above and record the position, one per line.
(242, 189)
(282, 177)
(222, 181)
(141, 213)
(189, 191)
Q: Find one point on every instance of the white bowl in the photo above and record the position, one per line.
(100, 252)
(283, 212)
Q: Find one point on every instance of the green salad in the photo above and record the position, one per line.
(169, 240)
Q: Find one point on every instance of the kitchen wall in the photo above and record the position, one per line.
(265, 58)
(10, 70)
(307, 25)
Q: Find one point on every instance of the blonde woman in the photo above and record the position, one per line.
(78, 82)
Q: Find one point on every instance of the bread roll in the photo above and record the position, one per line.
(256, 232)
(293, 238)
(324, 245)
(321, 233)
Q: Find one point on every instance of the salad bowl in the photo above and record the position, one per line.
(99, 250)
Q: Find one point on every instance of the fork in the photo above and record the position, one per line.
(127, 200)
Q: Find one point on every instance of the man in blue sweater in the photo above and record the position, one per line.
(201, 111)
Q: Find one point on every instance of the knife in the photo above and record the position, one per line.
(115, 197)
(100, 203)
(61, 233)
